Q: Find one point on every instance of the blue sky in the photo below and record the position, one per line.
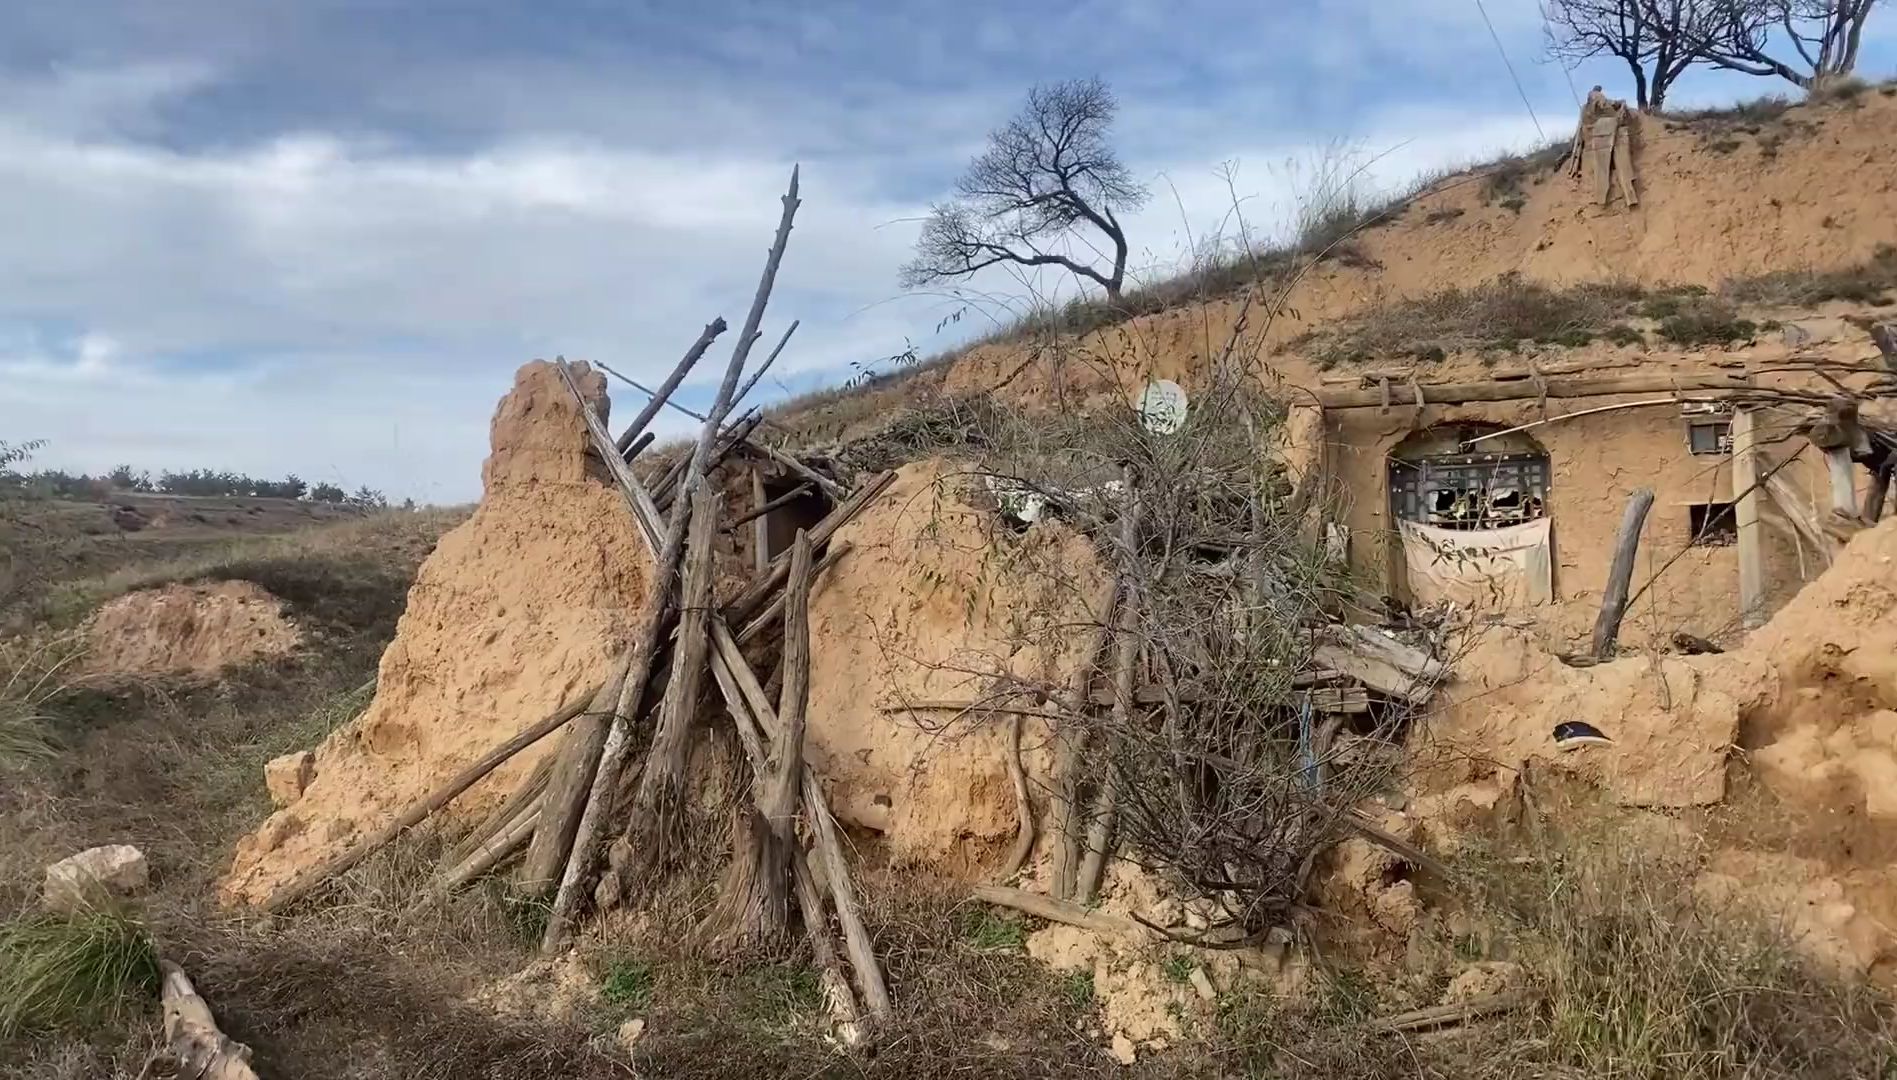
(319, 235)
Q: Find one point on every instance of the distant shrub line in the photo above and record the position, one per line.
(58, 483)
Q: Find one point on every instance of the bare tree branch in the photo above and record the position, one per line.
(1045, 174)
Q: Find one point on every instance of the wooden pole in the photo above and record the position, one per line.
(1620, 575)
(1745, 485)
(664, 392)
(1459, 393)
(310, 879)
(503, 843)
(567, 788)
(766, 365)
(809, 897)
(760, 526)
(657, 824)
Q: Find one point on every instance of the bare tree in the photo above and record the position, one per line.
(1654, 38)
(1048, 176)
(1824, 33)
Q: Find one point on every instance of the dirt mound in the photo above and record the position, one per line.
(189, 630)
(938, 601)
(1810, 700)
(1814, 196)
(518, 610)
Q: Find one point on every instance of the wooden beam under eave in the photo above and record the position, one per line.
(1745, 490)
(1462, 393)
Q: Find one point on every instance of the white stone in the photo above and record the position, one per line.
(1123, 1050)
(631, 1032)
(1203, 985)
(96, 874)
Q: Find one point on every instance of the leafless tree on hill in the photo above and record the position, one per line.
(1825, 34)
(1654, 38)
(1048, 175)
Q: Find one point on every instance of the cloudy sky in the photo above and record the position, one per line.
(319, 235)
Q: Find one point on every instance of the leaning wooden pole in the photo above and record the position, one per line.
(658, 807)
(311, 879)
(583, 859)
(657, 824)
(1620, 576)
(664, 392)
(567, 788)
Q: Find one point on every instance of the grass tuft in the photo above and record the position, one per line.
(63, 971)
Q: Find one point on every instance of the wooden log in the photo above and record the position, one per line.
(639, 446)
(1058, 911)
(783, 788)
(753, 904)
(583, 860)
(744, 682)
(511, 837)
(567, 788)
(664, 393)
(657, 825)
(774, 610)
(1460, 1012)
(760, 526)
(810, 904)
(194, 1044)
(1746, 500)
(1460, 393)
(760, 508)
(766, 365)
(1787, 501)
(527, 794)
(1620, 573)
(309, 880)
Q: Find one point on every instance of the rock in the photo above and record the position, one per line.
(1203, 985)
(1481, 980)
(631, 1032)
(286, 777)
(1123, 1050)
(97, 874)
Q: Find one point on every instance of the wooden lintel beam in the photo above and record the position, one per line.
(1460, 393)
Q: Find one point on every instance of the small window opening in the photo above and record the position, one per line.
(1709, 437)
(1713, 524)
(805, 511)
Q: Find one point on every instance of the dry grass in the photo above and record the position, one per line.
(1503, 314)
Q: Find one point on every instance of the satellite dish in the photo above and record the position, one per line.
(1162, 407)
